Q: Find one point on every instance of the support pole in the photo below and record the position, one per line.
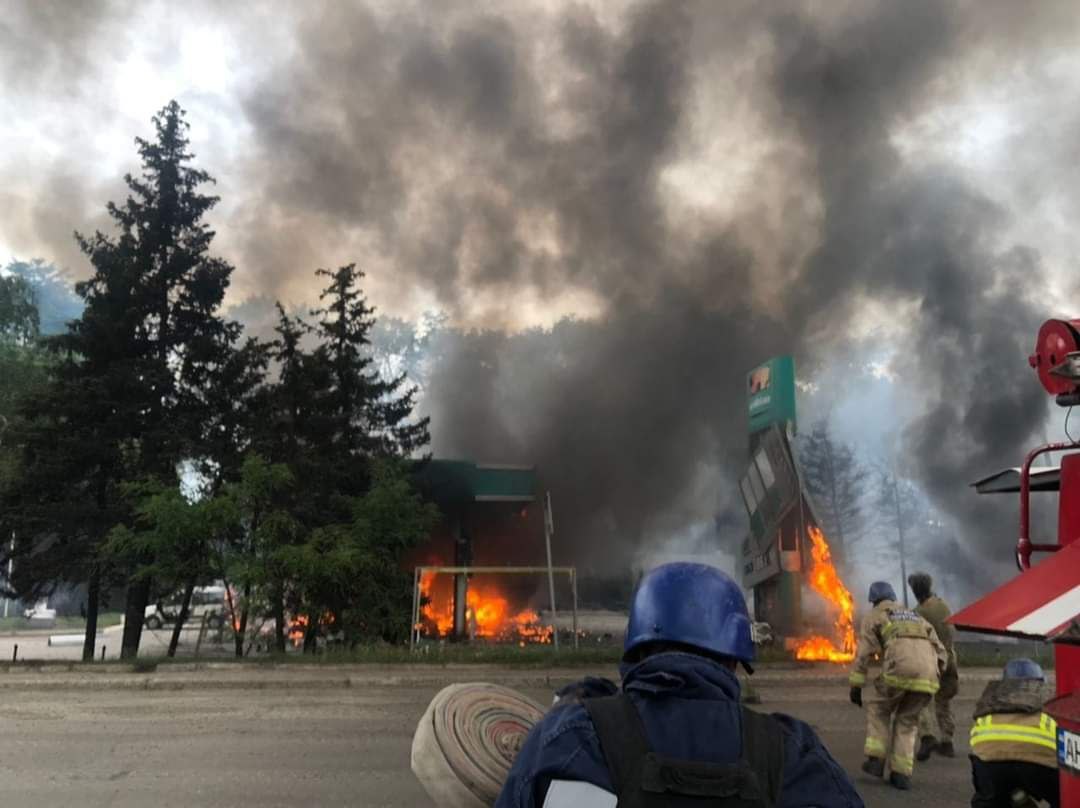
(900, 531)
(549, 528)
(573, 587)
(10, 571)
(462, 558)
(414, 631)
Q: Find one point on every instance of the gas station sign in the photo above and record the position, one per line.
(771, 393)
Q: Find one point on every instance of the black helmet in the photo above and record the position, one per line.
(921, 584)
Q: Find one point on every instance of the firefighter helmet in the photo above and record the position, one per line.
(694, 605)
(1022, 668)
(881, 590)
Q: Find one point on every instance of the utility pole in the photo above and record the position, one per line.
(549, 528)
(900, 531)
(10, 572)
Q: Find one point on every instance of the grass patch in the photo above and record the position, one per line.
(995, 655)
(531, 656)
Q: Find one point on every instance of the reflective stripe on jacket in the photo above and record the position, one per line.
(1029, 738)
(912, 655)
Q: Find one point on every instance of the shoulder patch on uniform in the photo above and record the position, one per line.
(904, 614)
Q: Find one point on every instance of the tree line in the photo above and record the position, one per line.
(857, 500)
(151, 448)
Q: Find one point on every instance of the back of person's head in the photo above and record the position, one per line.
(1022, 668)
(689, 607)
(881, 590)
(921, 585)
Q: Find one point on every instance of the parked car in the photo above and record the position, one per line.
(206, 601)
(41, 614)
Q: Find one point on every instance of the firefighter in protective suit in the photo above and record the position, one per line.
(936, 723)
(912, 659)
(675, 734)
(1013, 742)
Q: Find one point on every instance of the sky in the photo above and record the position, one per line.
(697, 186)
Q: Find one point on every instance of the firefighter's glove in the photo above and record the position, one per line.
(856, 696)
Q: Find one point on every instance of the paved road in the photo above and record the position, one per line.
(291, 738)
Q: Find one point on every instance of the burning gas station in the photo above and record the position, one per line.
(482, 575)
(785, 549)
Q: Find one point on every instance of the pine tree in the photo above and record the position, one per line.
(341, 429)
(837, 482)
(368, 415)
(19, 318)
(902, 512)
(130, 400)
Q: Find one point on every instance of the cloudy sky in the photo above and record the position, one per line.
(701, 185)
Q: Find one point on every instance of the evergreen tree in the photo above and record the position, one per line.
(903, 513)
(19, 318)
(335, 423)
(129, 402)
(837, 481)
(366, 414)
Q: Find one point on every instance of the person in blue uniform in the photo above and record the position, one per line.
(675, 734)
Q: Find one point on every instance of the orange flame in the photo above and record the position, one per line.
(297, 629)
(487, 613)
(825, 580)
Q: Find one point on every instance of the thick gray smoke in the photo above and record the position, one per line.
(921, 236)
(710, 183)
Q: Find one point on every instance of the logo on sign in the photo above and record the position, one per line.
(759, 379)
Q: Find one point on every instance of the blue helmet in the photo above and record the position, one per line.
(1023, 669)
(693, 604)
(881, 590)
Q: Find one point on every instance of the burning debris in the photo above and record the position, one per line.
(825, 580)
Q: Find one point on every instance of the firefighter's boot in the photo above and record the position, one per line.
(945, 749)
(927, 744)
(900, 781)
(874, 766)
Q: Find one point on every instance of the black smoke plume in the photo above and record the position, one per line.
(504, 161)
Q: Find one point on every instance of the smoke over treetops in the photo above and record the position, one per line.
(703, 185)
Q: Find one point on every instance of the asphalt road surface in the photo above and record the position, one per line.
(298, 739)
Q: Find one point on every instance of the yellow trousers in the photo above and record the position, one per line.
(892, 720)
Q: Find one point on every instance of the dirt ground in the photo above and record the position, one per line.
(291, 736)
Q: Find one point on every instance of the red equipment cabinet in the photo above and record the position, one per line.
(1044, 600)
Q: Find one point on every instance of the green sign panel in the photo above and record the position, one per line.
(771, 393)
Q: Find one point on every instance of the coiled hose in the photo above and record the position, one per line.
(466, 741)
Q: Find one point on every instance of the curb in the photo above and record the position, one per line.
(225, 676)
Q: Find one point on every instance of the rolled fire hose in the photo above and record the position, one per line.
(467, 740)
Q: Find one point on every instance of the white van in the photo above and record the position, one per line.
(205, 600)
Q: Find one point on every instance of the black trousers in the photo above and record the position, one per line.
(996, 781)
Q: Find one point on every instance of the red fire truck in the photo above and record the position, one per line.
(1043, 601)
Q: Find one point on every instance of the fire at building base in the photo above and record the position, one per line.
(785, 550)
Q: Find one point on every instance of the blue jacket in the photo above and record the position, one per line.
(690, 708)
